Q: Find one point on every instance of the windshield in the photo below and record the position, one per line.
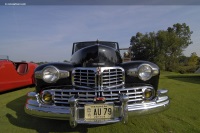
(80, 45)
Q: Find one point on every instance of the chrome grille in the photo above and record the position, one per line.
(84, 77)
(98, 78)
(61, 96)
(112, 77)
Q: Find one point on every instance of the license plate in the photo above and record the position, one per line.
(98, 111)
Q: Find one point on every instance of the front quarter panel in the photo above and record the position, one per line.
(41, 84)
(134, 80)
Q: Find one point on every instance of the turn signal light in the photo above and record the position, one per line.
(47, 97)
(148, 94)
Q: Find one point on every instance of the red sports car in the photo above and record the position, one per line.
(15, 74)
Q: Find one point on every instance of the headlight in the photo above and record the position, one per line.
(145, 72)
(50, 74)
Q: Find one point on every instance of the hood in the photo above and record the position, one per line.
(96, 55)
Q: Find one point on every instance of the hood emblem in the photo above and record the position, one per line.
(98, 64)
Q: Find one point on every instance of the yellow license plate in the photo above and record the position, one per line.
(98, 111)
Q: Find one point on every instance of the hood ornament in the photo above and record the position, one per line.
(98, 70)
(97, 41)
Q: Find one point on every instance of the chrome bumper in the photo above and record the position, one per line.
(34, 107)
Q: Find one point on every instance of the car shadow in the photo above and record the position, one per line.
(41, 125)
(186, 78)
(16, 89)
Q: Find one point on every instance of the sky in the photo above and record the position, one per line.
(46, 33)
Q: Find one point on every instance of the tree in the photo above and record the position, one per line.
(65, 61)
(177, 38)
(164, 47)
(193, 59)
(144, 46)
(189, 64)
(183, 60)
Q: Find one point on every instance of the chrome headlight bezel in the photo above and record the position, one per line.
(58, 74)
(136, 72)
(50, 74)
(145, 72)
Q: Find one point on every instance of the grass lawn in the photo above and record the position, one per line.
(183, 116)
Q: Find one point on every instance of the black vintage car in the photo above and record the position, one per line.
(96, 87)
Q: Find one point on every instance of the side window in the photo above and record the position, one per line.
(22, 68)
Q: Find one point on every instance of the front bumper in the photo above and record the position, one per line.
(74, 112)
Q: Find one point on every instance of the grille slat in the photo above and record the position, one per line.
(83, 100)
(60, 95)
(83, 82)
(115, 78)
(61, 102)
(84, 76)
(110, 82)
(61, 99)
(133, 93)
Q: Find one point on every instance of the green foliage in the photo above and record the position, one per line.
(193, 60)
(164, 47)
(188, 64)
(186, 69)
(144, 46)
